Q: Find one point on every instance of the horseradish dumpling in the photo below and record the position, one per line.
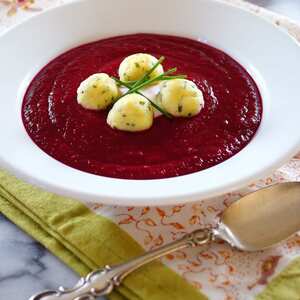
(97, 92)
(132, 112)
(135, 66)
(180, 98)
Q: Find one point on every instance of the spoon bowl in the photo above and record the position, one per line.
(262, 219)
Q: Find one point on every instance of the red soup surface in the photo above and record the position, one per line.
(81, 138)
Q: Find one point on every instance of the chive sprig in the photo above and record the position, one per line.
(136, 86)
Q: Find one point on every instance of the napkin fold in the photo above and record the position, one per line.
(86, 241)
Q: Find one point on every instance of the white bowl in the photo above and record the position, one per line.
(269, 54)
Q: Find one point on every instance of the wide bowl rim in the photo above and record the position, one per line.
(117, 196)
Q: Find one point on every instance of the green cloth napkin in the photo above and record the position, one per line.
(285, 286)
(86, 241)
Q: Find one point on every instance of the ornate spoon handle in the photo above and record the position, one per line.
(102, 282)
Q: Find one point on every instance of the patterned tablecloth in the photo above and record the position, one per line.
(219, 271)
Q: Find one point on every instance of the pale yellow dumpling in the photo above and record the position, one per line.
(180, 97)
(133, 112)
(135, 66)
(97, 91)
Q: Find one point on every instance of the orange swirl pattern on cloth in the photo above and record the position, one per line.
(218, 270)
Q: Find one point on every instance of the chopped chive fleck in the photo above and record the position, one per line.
(82, 92)
(179, 108)
(128, 124)
(94, 86)
(135, 85)
(124, 115)
(142, 102)
(132, 124)
(137, 64)
(103, 92)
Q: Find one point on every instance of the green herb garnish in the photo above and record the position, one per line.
(135, 86)
(120, 82)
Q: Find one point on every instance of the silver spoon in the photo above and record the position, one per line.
(255, 222)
